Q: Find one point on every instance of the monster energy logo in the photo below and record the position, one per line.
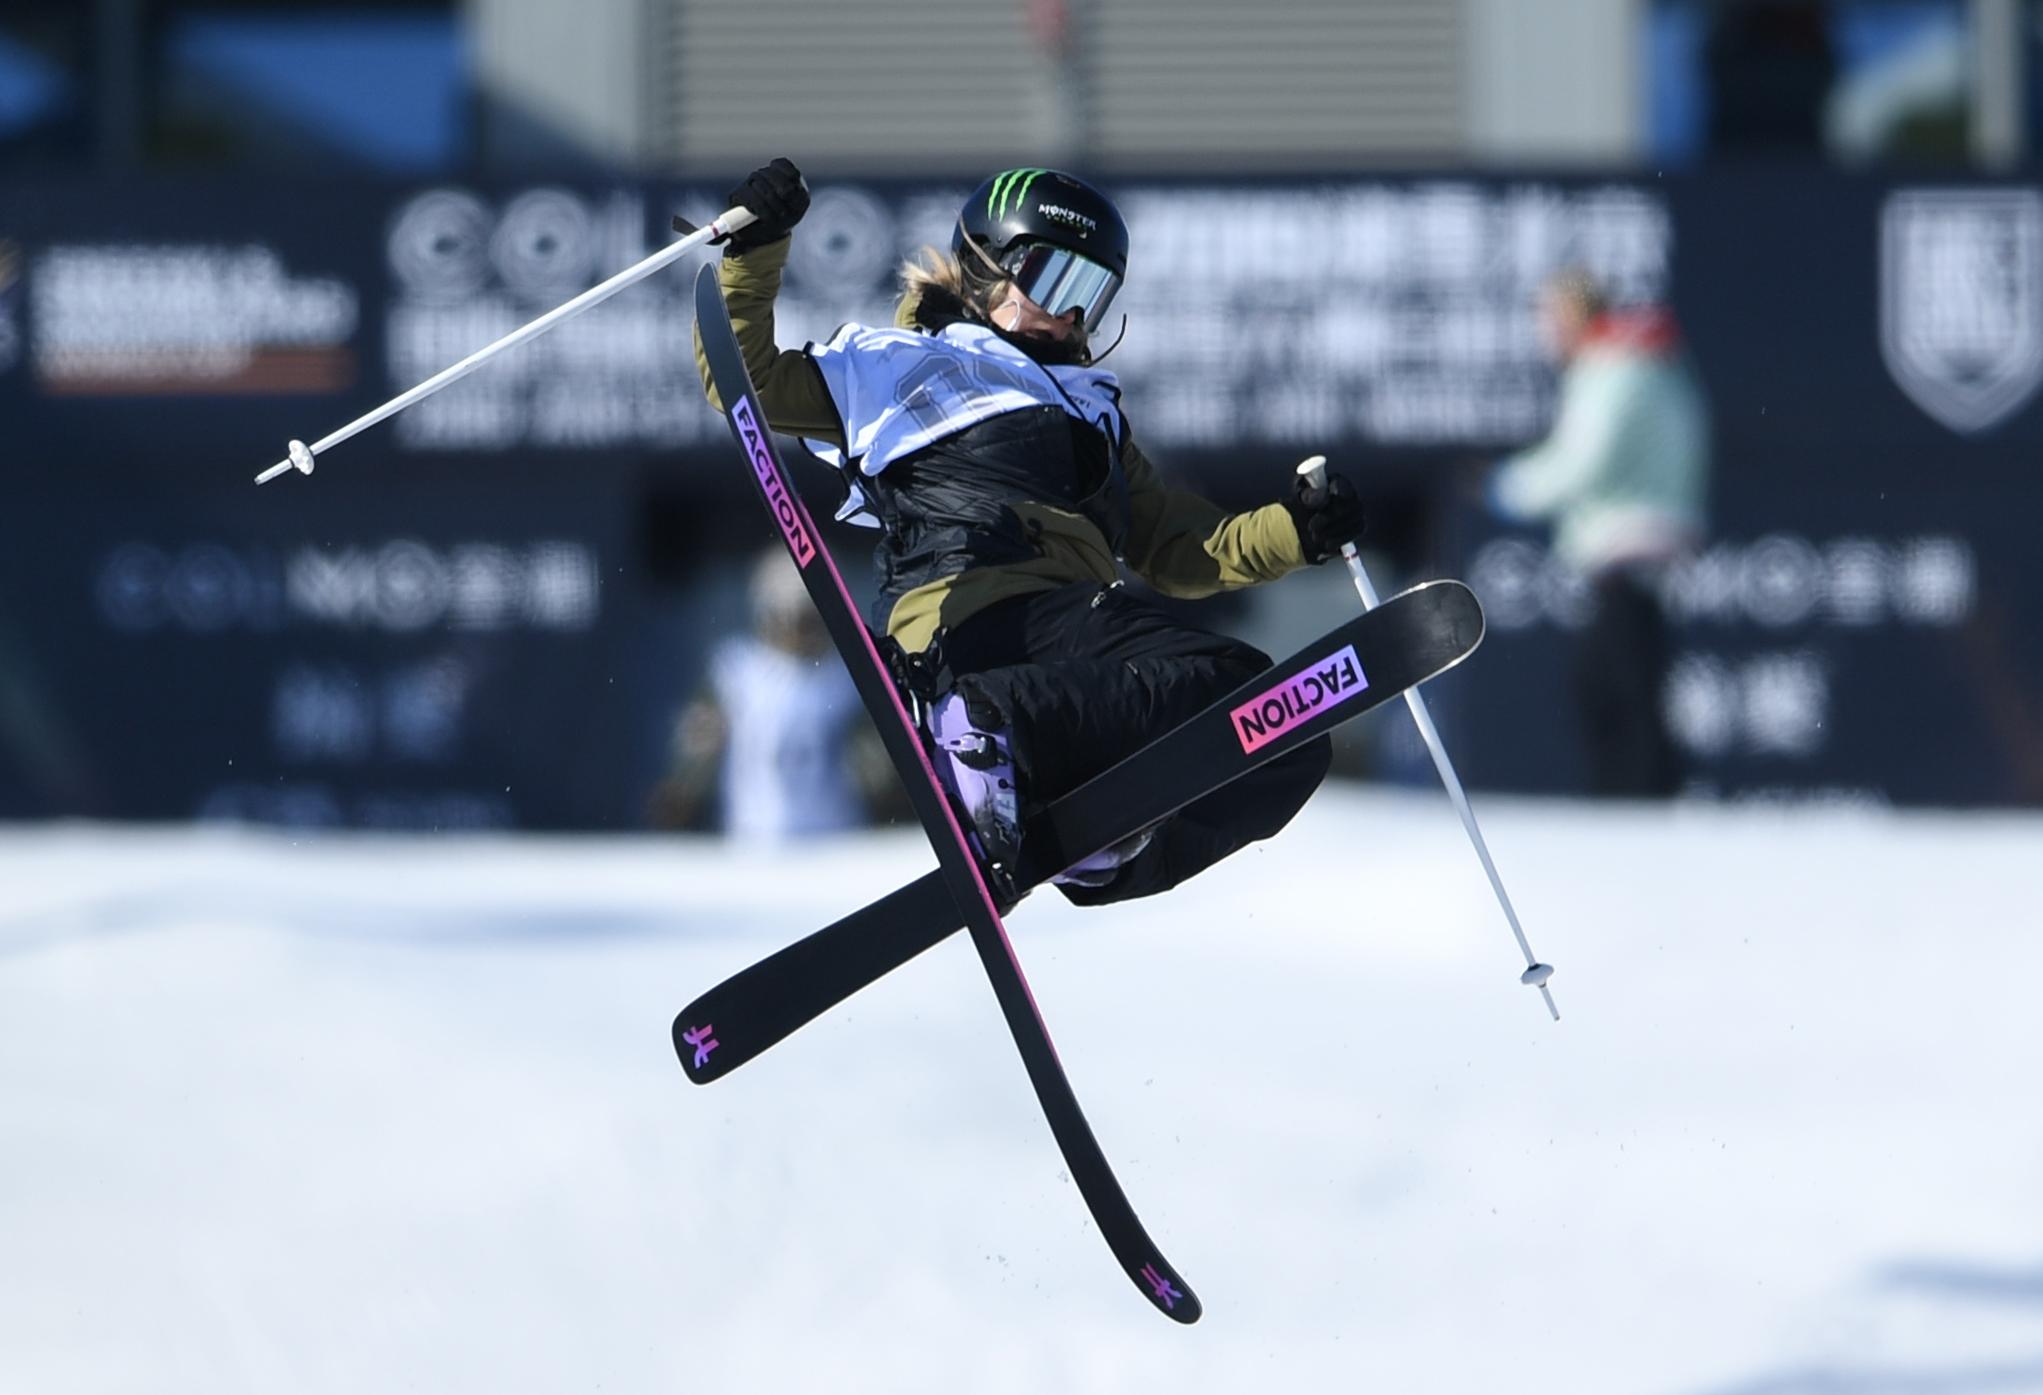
(1010, 188)
(1064, 215)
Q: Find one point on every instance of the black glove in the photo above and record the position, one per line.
(778, 195)
(1326, 516)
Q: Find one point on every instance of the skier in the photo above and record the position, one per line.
(978, 433)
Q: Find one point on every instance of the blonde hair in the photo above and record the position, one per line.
(1575, 288)
(935, 275)
(933, 269)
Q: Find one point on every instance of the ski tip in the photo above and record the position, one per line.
(1170, 1295)
(696, 1046)
(1468, 609)
(1450, 604)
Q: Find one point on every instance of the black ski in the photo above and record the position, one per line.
(1405, 641)
(1138, 1256)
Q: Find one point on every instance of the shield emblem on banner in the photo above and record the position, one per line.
(1961, 300)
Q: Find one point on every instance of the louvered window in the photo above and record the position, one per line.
(914, 86)
(1291, 81)
(875, 84)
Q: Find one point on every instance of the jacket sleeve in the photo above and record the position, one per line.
(1575, 456)
(790, 387)
(1187, 546)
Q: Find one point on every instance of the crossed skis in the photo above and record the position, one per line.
(1410, 638)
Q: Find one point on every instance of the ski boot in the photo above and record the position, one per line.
(1095, 872)
(976, 767)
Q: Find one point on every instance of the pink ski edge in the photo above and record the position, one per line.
(922, 755)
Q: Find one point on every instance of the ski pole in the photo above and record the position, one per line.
(300, 455)
(1314, 471)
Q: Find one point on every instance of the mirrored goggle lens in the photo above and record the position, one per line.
(1062, 281)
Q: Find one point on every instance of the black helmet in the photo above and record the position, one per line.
(1061, 241)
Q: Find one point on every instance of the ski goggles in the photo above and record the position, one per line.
(1060, 281)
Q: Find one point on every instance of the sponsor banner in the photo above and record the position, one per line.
(470, 660)
(1392, 319)
(1832, 661)
(128, 320)
(1366, 310)
(1396, 312)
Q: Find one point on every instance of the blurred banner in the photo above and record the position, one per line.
(448, 625)
(1850, 656)
(1259, 317)
(425, 663)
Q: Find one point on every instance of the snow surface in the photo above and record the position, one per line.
(364, 1115)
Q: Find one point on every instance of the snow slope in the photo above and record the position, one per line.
(369, 1115)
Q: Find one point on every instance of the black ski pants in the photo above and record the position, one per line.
(1085, 675)
(1620, 669)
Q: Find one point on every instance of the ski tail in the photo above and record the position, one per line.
(755, 1009)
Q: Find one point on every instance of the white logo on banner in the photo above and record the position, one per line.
(1961, 300)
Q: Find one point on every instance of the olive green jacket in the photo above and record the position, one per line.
(1179, 543)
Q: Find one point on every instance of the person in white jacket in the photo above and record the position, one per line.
(1623, 479)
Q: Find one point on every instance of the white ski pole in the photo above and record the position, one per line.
(300, 455)
(1314, 470)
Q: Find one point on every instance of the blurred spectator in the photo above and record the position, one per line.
(776, 745)
(1623, 478)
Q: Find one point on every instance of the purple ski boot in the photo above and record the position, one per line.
(1103, 866)
(977, 770)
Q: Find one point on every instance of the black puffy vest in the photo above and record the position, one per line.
(945, 507)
